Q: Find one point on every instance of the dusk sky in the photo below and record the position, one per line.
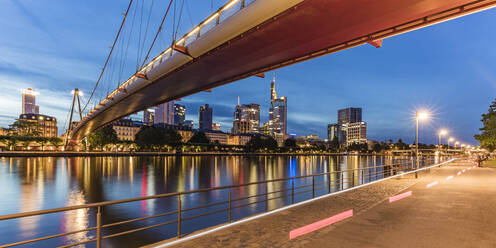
(55, 46)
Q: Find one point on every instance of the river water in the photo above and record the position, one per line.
(29, 184)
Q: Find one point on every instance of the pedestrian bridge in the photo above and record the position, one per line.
(249, 37)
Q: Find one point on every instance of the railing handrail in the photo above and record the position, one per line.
(106, 203)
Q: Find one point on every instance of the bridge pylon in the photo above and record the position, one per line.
(76, 96)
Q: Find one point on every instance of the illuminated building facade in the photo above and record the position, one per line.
(356, 132)
(44, 125)
(127, 129)
(164, 113)
(29, 102)
(148, 117)
(277, 113)
(179, 114)
(246, 118)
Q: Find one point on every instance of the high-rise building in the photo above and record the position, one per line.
(336, 131)
(205, 118)
(349, 115)
(189, 123)
(148, 116)
(246, 118)
(29, 102)
(179, 114)
(277, 112)
(356, 132)
(216, 126)
(164, 113)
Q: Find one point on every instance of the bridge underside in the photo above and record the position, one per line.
(310, 29)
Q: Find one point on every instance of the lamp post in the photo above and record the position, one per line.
(456, 144)
(418, 116)
(451, 139)
(440, 133)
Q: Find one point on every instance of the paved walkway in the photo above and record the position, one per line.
(460, 212)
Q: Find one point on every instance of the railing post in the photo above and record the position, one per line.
(292, 191)
(329, 183)
(99, 228)
(313, 186)
(179, 216)
(266, 196)
(242, 4)
(229, 211)
(353, 178)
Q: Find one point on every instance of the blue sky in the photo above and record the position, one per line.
(55, 46)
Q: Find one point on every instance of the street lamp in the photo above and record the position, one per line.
(441, 133)
(450, 140)
(456, 144)
(418, 116)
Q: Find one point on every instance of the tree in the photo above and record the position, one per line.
(290, 143)
(400, 145)
(148, 137)
(173, 138)
(42, 143)
(56, 142)
(12, 143)
(23, 127)
(102, 137)
(334, 145)
(259, 142)
(487, 137)
(199, 138)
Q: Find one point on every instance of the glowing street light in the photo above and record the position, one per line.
(441, 133)
(456, 144)
(418, 116)
(451, 139)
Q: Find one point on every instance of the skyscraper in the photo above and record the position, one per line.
(246, 118)
(148, 116)
(205, 118)
(164, 113)
(179, 114)
(336, 131)
(349, 115)
(29, 102)
(277, 112)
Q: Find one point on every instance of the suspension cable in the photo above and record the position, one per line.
(108, 57)
(156, 35)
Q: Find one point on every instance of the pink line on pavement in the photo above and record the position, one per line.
(400, 196)
(449, 178)
(432, 184)
(320, 224)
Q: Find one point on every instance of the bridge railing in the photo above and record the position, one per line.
(288, 190)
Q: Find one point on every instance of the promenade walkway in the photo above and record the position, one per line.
(455, 212)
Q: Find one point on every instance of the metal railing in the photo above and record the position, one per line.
(343, 179)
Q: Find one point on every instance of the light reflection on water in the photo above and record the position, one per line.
(28, 184)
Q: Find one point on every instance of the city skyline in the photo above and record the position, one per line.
(397, 70)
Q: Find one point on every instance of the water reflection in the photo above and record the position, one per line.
(30, 184)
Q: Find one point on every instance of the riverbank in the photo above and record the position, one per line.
(130, 154)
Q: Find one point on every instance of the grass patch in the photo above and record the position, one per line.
(489, 163)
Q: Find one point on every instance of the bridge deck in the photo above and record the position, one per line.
(456, 213)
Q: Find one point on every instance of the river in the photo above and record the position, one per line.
(29, 184)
